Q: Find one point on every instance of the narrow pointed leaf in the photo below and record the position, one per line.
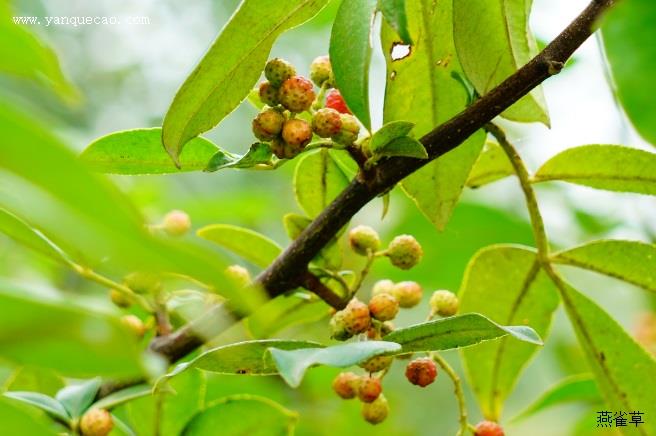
(43, 402)
(403, 146)
(388, 133)
(77, 398)
(123, 396)
(250, 245)
(259, 153)
(492, 165)
(23, 233)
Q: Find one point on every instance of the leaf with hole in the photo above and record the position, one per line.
(395, 15)
(250, 245)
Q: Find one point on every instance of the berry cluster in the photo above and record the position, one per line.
(287, 95)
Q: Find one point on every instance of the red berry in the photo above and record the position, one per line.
(421, 372)
(369, 389)
(296, 94)
(346, 385)
(488, 428)
(334, 100)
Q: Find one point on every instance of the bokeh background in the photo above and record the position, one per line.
(128, 74)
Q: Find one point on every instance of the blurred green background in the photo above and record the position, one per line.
(128, 74)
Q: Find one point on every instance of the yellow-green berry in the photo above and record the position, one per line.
(326, 122)
(176, 223)
(296, 94)
(363, 239)
(119, 298)
(268, 94)
(268, 124)
(349, 131)
(444, 303)
(135, 325)
(404, 252)
(238, 275)
(384, 307)
(346, 385)
(376, 411)
(96, 422)
(384, 286)
(408, 293)
(322, 71)
(278, 70)
(377, 363)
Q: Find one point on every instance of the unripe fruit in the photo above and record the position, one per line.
(404, 252)
(278, 70)
(444, 303)
(143, 282)
(369, 389)
(349, 131)
(383, 307)
(356, 317)
(326, 122)
(346, 385)
(421, 372)
(408, 293)
(297, 133)
(135, 325)
(268, 94)
(387, 328)
(238, 275)
(488, 428)
(338, 329)
(321, 71)
(363, 239)
(377, 411)
(281, 149)
(377, 363)
(334, 100)
(268, 124)
(176, 223)
(119, 299)
(96, 422)
(296, 94)
(383, 287)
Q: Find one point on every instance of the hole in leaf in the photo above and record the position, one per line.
(393, 75)
(400, 51)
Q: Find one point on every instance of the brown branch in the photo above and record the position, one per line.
(289, 270)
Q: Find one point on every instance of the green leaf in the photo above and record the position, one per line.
(34, 379)
(505, 283)
(631, 261)
(140, 151)
(57, 334)
(632, 62)
(609, 167)
(426, 74)
(248, 358)
(18, 421)
(258, 154)
(77, 398)
(123, 396)
(456, 332)
(317, 181)
(23, 233)
(403, 146)
(230, 68)
(396, 17)
(578, 388)
(492, 165)
(25, 56)
(285, 311)
(350, 54)
(508, 44)
(388, 133)
(330, 256)
(250, 245)
(292, 365)
(43, 402)
(243, 415)
(619, 364)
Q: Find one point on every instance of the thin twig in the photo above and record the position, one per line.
(457, 389)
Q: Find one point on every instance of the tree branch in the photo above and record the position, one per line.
(289, 270)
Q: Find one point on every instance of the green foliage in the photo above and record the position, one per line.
(396, 16)
(123, 396)
(318, 179)
(388, 133)
(250, 245)
(243, 415)
(632, 62)
(508, 45)
(77, 398)
(609, 167)
(631, 261)
(230, 68)
(506, 284)
(330, 255)
(285, 311)
(350, 54)
(21, 232)
(402, 146)
(140, 151)
(492, 165)
(16, 420)
(44, 402)
(258, 154)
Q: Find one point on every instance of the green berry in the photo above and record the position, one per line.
(444, 303)
(369, 389)
(297, 133)
(238, 275)
(383, 287)
(404, 252)
(377, 411)
(421, 372)
(338, 330)
(268, 124)
(143, 282)
(296, 94)
(96, 422)
(278, 70)
(326, 122)
(364, 239)
(384, 307)
(268, 94)
(349, 132)
(321, 71)
(346, 385)
(119, 298)
(408, 293)
(488, 428)
(377, 363)
(176, 223)
(134, 324)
